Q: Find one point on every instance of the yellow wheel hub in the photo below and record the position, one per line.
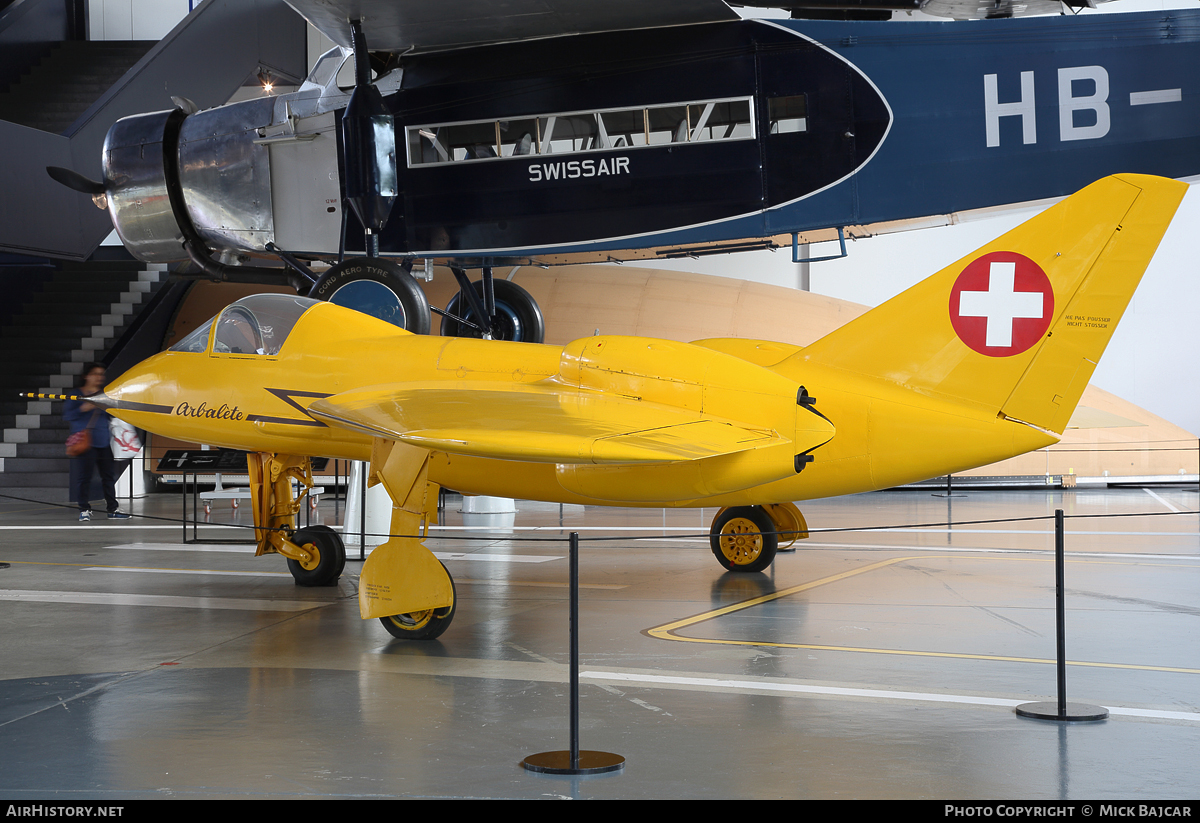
(741, 541)
(314, 557)
(413, 620)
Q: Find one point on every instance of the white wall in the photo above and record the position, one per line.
(135, 19)
(154, 19)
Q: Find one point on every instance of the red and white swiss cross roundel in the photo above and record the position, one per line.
(1001, 304)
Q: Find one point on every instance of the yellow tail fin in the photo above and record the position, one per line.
(1017, 327)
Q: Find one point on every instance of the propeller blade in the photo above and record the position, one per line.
(74, 180)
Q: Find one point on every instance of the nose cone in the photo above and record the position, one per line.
(130, 386)
(138, 395)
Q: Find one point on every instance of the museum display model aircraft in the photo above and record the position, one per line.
(982, 361)
(554, 132)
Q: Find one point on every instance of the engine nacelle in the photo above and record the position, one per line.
(225, 175)
(233, 178)
(137, 152)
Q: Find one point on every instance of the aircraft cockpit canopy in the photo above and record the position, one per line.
(255, 325)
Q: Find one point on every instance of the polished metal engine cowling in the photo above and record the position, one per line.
(136, 176)
(225, 177)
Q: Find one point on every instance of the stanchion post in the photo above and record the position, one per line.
(574, 761)
(574, 624)
(949, 489)
(195, 505)
(1061, 710)
(362, 512)
(183, 502)
(1060, 609)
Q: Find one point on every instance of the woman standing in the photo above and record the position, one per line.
(84, 416)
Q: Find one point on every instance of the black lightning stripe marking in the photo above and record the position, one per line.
(129, 405)
(286, 396)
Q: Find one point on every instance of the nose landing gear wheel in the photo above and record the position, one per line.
(330, 557)
(423, 625)
(743, 539)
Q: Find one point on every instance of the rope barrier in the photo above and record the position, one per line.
(509, 536)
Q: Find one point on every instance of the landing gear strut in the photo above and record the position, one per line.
(492, 309)
(402, 583)
(316, 555)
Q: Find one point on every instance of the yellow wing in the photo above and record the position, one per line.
(546, 422)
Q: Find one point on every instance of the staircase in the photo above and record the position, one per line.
(53, 93)
(59, 113)
(77, 314)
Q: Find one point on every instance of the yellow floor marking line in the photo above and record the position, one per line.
(667, 630)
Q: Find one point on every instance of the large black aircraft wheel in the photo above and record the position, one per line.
(743, 539)
(341, 549)
(518, 316)
(330, 557)
(422, 625)
(379, 288)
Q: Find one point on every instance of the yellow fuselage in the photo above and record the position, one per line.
(886, 435)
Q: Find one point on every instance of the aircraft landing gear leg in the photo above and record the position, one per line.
(405, 586)
(316, 555)
(402, 583)
(743, 538)
(514, 314)
(790, 524)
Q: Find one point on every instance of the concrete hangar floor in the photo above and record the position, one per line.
(867, 664)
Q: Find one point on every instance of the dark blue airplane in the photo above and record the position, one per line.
(641, 136)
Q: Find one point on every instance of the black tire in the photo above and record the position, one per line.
(743, 539)
(518, 316)
(331, 559)
(423, 625)
(336, 536)
(395, 297)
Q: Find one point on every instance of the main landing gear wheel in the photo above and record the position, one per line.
(422, 625)
(379, 288)
(329, 559)
(743, 539)
(518, 316)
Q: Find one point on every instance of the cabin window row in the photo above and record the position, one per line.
(588, 131)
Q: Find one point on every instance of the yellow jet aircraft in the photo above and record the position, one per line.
(982, 361)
